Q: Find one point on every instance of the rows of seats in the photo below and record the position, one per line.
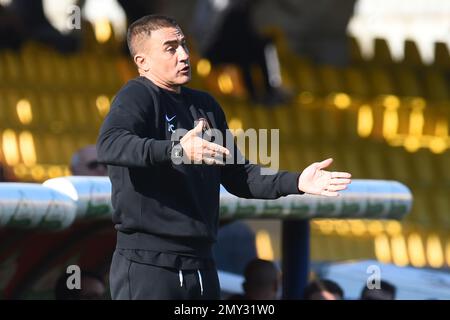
(42, 68)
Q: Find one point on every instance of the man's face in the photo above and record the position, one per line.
(167, 57)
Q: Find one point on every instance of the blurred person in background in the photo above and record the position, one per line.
(85, 163)
(323, 289)
(235, 246)
(224, 33)
(387, 291)
(92, 287)
(37, 27)
(262, 281)
(12, 31)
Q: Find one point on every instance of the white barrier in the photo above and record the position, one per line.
(58, 202)
(29, 205)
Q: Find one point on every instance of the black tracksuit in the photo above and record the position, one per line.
(166, 215)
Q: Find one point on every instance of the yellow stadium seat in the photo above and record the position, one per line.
(48, 148)
(261, 118)
(308, 79)
(13, 70)
(11, 99)
(381, 80)
(411, 54)
(374, 159)
(349, 125)
(354, 163)
(284, 118)
(64, 76)
(84, 114)
(435, 85)
(399, 167)
(423, 171)
(408, 82)
(329, 125)
(420, 212)
(332, 78)
(442, 165)
(357, 82)
(382, 52)
(307, 122)
(356, 56)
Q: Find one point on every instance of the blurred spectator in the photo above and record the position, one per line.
(11, 29)
(323, 289)
(84, 163)
(3, 177)
(224, 33)
(323, 43)
(6, 174)
(92, 288)
(235, 247)
(38, 28)
(387, 291)
(135, 9)
(262, 280)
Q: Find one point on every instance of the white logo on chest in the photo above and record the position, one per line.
(171, 127)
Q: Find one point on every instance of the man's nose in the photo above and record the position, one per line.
(183, 54)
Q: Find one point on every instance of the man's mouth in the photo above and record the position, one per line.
(185, 69)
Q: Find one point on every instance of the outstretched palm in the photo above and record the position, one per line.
(315, 180)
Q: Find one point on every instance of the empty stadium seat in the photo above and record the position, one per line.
(412, 55)
(441, 56)
(382, 52)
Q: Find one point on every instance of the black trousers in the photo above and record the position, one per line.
(130, 280)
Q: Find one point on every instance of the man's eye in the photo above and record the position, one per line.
(171, 49)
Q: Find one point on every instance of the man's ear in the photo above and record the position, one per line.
(141, 62)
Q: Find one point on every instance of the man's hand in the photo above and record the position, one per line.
(199, 150)
(316, 181)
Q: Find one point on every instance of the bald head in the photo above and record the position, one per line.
(84, 163)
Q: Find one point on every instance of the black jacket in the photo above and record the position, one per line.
(159, 206)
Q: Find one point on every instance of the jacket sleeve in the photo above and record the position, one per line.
(244, 179)
(124, 135)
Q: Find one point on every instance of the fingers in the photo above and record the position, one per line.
(338, 181)
(215, 149)
(338, 187)
(329, 193)
(213, 161)
(324, 163)
(336, 174)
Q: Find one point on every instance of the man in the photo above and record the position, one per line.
(166, 214)
(84, 163)
(323, 289)
(262, 280)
